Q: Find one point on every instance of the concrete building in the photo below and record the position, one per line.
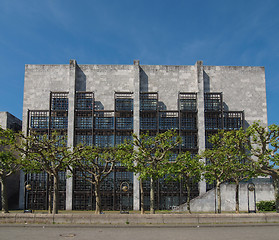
(9, 121)
(105, 104)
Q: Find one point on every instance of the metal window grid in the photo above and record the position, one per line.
(187, 101)
(84, 101)
(213, 121)
(37, 197)
(103, 138)
(121, 137)
(104, 120)
(59, 121)
(123, 101)
(84, 137)
(188, 121)
(84, 120)
(148, 120)
(124, 120)
(59, 101)
(149, 101)
(39, 119)
(111, 195)
(168, 120)
(213, 101)
(233, 120)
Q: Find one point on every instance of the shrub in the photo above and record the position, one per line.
(263, 206)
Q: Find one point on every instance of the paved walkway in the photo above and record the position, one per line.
(138, 219)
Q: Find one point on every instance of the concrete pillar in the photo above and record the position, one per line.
(136, 116)
(201, 125)
(71, 127)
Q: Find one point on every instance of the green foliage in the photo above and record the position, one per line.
(95, 164)
(185, 167)
(149, 156)
(44, 153)
(267, 157)
(228, 157)
(8, 160)
(96, 161)
(264, 206)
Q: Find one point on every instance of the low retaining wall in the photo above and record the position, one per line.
(208, 202)
(120, 219)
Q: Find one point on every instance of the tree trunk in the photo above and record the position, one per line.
(152, 196)
(49, 194)
(5, 208)
(188, 194)
(218, 187)
(276, 193)
(98, 199)
(236, 196)
(55, 193)
(141, 198)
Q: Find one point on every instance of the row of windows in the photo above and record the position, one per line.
(103, 140)
(188, 141)
(227, 121)
(212, 122)
(84, 101)
(42, 122)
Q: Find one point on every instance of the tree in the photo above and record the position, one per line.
(149, 158)
(8, 163)
(95, 164)
(188, 168)
(46, 153)
(234, 146)
(223, 161)
(264, 147)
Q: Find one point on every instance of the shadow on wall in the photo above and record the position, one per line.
(98, 105)
(206, 82)
(143, 81)
(81, 80)
(162, 106)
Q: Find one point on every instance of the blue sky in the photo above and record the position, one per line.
(175, 32)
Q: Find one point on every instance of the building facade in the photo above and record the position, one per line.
(104, 104)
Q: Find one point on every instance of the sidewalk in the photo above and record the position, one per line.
(138, 219)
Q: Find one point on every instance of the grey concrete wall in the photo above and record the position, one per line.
(3, 119)
(8, 120)
(206, 202)
(168, 81)
(243, 89)
(39, 80)
(104, 80)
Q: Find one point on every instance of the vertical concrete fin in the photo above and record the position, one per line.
(201, 125)
(136, 116)
(71, 126)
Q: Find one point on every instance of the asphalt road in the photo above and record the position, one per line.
(253, 232)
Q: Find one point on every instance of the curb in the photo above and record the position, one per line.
(138, 219)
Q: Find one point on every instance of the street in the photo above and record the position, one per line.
(216, 232)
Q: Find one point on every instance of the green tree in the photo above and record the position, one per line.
(186, 168)
(150, 157)
(46, 153)
(264, 148)
(95, 164)
(235, 148)
(8, 163)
